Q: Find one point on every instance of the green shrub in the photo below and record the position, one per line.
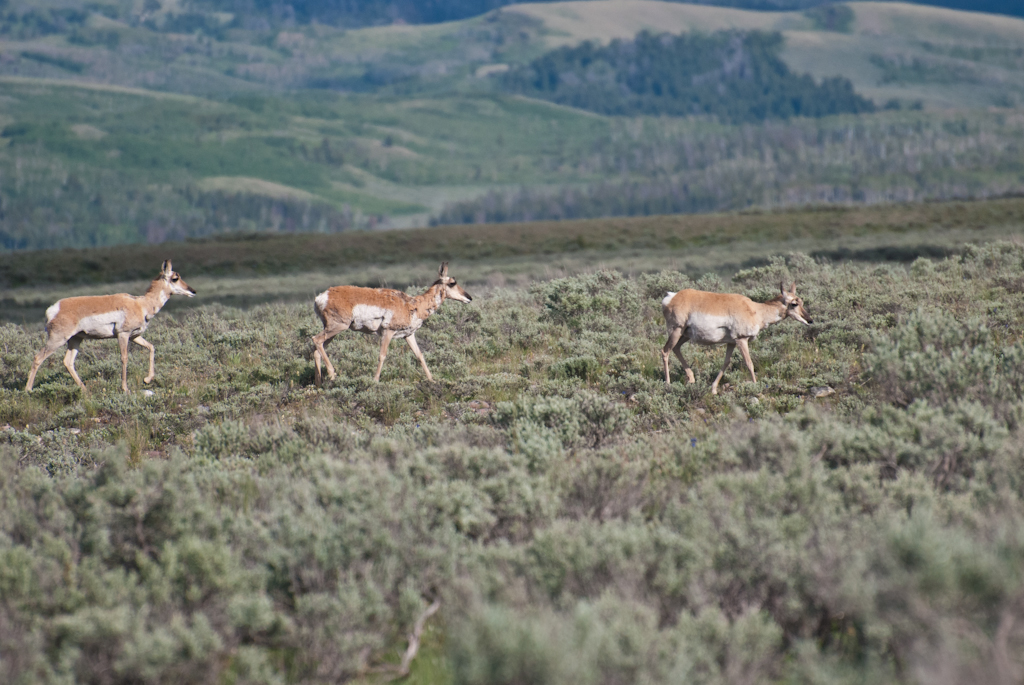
(578, 521)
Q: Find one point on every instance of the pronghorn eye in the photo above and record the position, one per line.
(453, 283)
(174, 278)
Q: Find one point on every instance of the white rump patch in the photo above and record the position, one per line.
(321, 301)
(52, 312)
(668, 298)
(368, 317)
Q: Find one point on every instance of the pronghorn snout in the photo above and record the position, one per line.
(798, 312)
(175, 281)
(794, 305)
(180, 287)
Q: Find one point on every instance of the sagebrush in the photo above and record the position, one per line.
(578, 521)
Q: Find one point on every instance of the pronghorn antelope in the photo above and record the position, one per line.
(122, 316)
(723, 319)
(388, 313)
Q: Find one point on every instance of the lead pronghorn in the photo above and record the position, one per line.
(723, 319)
(388, 313)
(121, 316)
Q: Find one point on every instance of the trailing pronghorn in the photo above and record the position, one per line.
(388, 313)
(723, 319)
(122, 316)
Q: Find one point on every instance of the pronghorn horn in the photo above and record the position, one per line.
(166, 267)
(782, 287)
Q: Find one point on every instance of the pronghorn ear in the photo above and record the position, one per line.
(782, 287)
(792, 289)
(167, 269)
(443, 271)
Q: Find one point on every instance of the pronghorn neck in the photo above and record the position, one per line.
(772, 311)
(156, 297)
(429, 301)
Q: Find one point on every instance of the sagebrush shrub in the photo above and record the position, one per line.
(578, 521)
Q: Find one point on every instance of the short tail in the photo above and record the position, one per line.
(319, 305)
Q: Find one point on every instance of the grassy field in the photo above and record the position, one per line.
(259, 268)
(853, 516)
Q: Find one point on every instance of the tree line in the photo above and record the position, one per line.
(664, 168)
(371, 12)
(730, 76)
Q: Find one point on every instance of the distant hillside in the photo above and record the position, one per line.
(377, 12)
(143, 121)
(731, 76)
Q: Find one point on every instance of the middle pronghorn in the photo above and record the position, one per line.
(388, 313)
(723, 319)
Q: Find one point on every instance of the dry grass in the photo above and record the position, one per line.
(677, 234)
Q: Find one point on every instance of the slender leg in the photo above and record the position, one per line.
(138, 340)
(122, 341)
(419, 355)
(674, 337)
(742, 343)
(69, 361)
(319, 341)
(728, 357)
(686, 367)
(51, 346)
(385, 340)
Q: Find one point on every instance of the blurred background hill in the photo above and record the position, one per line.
(125, 121)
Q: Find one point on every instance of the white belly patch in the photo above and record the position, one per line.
(370, 318)
(708, 329)
(103, 325)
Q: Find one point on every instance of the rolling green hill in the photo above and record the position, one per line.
(946, 58)
(122, 128)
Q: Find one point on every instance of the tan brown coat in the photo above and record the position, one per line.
(726, 319)
(122, 316)
(383, 311)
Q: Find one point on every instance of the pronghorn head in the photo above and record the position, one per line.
(794, 305)
(176, 283)
(451, 288)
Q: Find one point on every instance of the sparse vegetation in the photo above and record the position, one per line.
(853, 515)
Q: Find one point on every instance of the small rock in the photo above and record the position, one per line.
(148, 393)
(76, 431)
(700, 410)
(476, 405)
(822, 391)
(754, 400)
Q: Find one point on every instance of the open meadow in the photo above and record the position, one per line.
(854, 516)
